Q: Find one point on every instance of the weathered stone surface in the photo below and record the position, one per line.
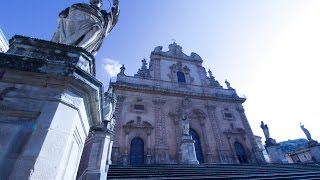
(188, 153)
(96, 155)
(49, 101)
(315, 152)
(275, 153)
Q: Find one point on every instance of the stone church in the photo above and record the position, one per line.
(152, 103)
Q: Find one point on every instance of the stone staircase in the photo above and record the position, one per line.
(217, 171)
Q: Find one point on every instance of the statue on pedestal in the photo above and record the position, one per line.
(265, 129)
(109, 107)
(185, 127)
(228, 84)
(86, 25)
(306, 132)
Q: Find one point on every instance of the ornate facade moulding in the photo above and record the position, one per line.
(237, 132)
(139, 125)
(151, 90)
(175, 51)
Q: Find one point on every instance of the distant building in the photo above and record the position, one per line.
(300, 156)
(152, 103)
(4, 45)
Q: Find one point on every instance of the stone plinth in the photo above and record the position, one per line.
(276, 154)
(96, 156)
(52, 52)
(188, 152)
(314, 150)
(49, 102)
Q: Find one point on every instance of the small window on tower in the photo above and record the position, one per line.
(139, 107)
(227, 114)
(181, 77)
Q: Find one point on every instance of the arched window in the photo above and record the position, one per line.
(181, 77)
(137, 151)
(197, 145)
(241, 153)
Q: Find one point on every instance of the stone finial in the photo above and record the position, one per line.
(228, 84)
(210, 74)
(213, 81)
(143, 72)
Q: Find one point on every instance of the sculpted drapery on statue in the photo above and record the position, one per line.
(184, 123)
(86, 25)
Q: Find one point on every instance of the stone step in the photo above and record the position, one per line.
(278, 171)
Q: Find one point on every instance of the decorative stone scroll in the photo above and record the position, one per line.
(175, 51)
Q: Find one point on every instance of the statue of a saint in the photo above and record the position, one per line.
(306, 132)
(86, 25)
(109, 104)
(184, 124)
(228, 84)
(265, 129)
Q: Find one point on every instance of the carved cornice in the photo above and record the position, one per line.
(152, 90)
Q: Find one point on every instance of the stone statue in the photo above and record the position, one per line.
(306, 132)
(86, 25)
(184, 124)
(228, 85)
(265, 129)
(109, 107)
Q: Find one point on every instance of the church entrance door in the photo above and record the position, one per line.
(197, 145)
(136, 151)
(241, 153)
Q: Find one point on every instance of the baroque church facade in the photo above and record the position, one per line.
(152, 103)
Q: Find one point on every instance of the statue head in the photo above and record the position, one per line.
(97, 3)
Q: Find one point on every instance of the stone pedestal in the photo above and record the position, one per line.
(96, 156)
(276, 154)
(188, 152)
(314, 150)
(49, 101)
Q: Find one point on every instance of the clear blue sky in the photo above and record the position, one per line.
(268, 50)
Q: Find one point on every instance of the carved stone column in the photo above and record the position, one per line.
(257, 152)
(125, 156)
(149, 156)
(216, 129)
(208, 152)
(115, 156)
(95, 158)
(161, 149)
